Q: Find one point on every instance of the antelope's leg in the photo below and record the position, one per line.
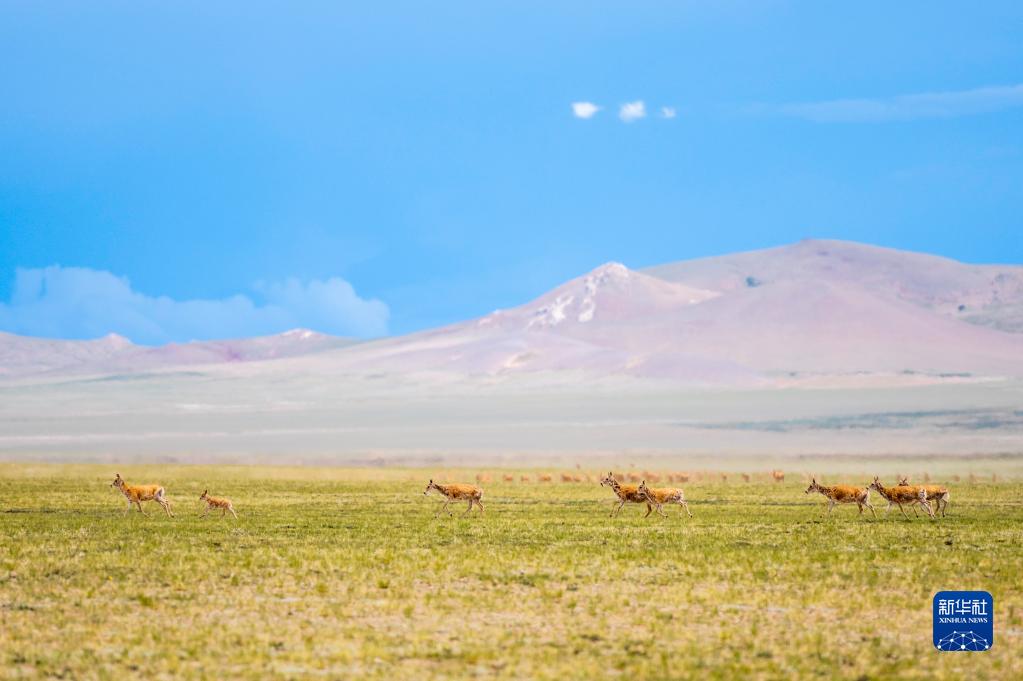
(649, 508)
(206, 512)
(469, 508)
(903, 511)
(127, 508)
(887, 508)
(444, 506)
(684, 505)
(480, 504)
(831, 505)
(871, 507)
(616, 509)
(928, 507)
(231, 509)
(660, 511)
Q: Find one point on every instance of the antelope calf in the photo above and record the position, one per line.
(627, 494)
(843, 494)
(136, 494)
(472, 493)
(663, 495)
(224, 505)
(936, 493)
(902, 494)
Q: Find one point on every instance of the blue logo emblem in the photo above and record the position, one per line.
(964, 620)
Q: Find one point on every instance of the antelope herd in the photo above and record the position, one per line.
(901, 494)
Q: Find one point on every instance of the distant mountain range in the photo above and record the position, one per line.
(808, 309)
(22, 356)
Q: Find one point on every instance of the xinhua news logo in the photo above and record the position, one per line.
(964, 621)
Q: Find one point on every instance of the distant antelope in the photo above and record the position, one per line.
(936, 493)
(543, 477)
(663, 495)
(635, 477)
(724, 477)
(681, 477)
(843, 494)
(509, 478)
(138, 493)
(778, 476)
(567, 477)
(902, 494)
(523, 478)
(745, 477)
(625, 493)
(652, 477)
(456, 493)
(224, 505)
(482, 478)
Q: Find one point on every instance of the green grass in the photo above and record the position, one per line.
(341, 574)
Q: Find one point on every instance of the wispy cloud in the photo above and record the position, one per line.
(909, 107)
(632, 111)
(668, 112)
(78, 302)
(584, 109)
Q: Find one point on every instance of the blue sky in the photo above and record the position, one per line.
(172, 171)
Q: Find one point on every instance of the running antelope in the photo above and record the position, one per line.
(224, 505)
(457, 493)
(663, 495)
(139, 493)
(902, 494)
(936, 493)
(843, 494)
(625, 493)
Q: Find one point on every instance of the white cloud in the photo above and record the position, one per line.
(908, 107)
(668, 112)
(631, 111)
(584, 109)
(78, 302)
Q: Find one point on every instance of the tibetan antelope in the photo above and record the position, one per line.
(936, 493)
(625, 493)
(509, 478)
(745, 477)
(224, 505)
(843, 494)
(902, 494)
(543, 477)
(663, 495)
(779, 476)
(523, 478)
(457, 493)
(136, 494)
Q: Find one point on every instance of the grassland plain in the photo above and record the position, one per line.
(333, 573)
